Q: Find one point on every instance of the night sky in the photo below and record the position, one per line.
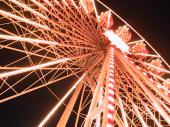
(150, 18)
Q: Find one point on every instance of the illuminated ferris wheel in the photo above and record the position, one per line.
(120, 79)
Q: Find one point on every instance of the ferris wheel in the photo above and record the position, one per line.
(119, 78)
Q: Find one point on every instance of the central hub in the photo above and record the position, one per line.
(116, 41)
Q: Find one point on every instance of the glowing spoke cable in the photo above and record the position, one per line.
(155, 67)
(123, 111)
(61, 101)
(30, 53)
(87, 38)
(134, 42)
(28, 8)
(35, 88)
(7, 74)
(17, 38)
(7, 14)
(153, 117)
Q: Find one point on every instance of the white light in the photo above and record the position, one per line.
(112, 57)
(111, 80)
(111, 91)
(111, 85)
(138, 67)
(111, 74)
(111, 107)
(144, 73)
(151, 79)
(112, 48)
(111, 66)
(111, 62)
(131, 61)
(111, 70)
(109, 125)
(111, 99)
(166, 93)
(65, 2)
(159, 86)
(109, 116)
(116, 41)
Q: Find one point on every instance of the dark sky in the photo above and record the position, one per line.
(150, 18)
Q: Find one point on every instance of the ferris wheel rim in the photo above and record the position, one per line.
(108, 77)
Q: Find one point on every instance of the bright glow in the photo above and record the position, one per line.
(111, 85)
(109, 18)
(165, 89)
(159, 86)
(161, 111)
(111, 99)
(138, 67)
(144, 73)
(111, 91)
(109, 125)
(116, 41)
(132, 62)
(111, 74)
(111, 58)
(111, 71)
(111, 66)
(82, 3)
(111, 107)
(61, 101)
(151, 79)
(74, 4)
(65, 2)
(111, 80)
(111, 62)
(109, 116)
